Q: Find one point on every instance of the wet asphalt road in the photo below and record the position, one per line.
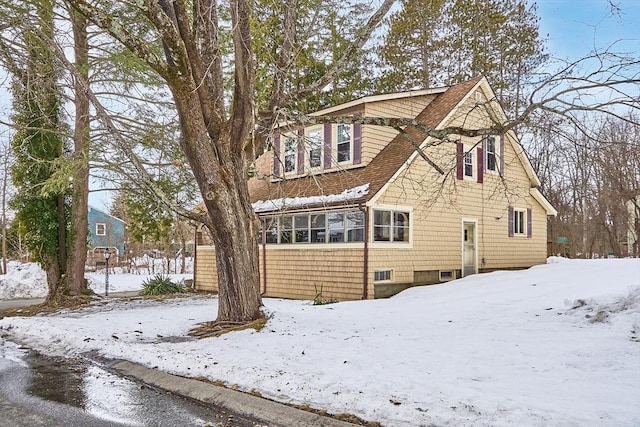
(40, 391)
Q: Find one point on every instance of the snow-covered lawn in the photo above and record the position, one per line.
(28, 280)
(555, 345)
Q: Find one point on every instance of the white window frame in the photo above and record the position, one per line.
(395, 213)
(468, 162)
(387, 272)
(495, 154)
(312, 136)
(287, 139)
(104, 228)
(336, 143)
(519, 222)
(350, 230)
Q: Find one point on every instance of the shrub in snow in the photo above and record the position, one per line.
(161, 284)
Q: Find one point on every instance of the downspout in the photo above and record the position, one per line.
(365, 262)
(264, 256)
(195, 254)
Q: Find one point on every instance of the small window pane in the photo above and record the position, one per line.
(272, 230)
(286, 229)
(401, 229)
(381, 226)
(355, 226)
(336, 226)
(318, 228)
(302, 228)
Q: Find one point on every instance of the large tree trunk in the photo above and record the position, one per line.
(77, 257)
(221, 175)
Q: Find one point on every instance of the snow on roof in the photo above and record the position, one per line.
(294, 202)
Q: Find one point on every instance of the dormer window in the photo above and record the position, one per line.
(290, 150)
(317, 149)
(343, 143)
(314, 144)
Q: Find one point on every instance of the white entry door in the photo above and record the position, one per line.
(468, 248)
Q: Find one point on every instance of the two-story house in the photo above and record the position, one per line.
(105, 231)
(362, 211)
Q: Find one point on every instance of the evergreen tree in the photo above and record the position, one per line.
(442, 42)
(38, 146)
(302, 40)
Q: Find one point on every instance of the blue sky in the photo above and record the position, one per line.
(572, 29)
(575, 27)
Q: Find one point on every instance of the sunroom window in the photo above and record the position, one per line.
(326, 227)
(390, 226)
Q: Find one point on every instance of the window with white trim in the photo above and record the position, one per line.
(341, 226)
(519, 222)
(314, 145)
(490, 155)
(101, 229)
(344, 137)
(381, 275)
(390, 226)
(290, 153)
(468, 164)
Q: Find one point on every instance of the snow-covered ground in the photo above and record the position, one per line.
(555, 345)
(29, 281)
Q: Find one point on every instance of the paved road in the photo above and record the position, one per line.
(37, 391)
(15, 303)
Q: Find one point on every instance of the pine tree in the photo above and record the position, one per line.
(442, 42)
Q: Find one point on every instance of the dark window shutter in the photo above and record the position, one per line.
(327, 145)
(529, 221)
(357, 142)
(276, 154)
(502, 139)
(480, 162)
(300, 151)
(511, 221)
(459, 160)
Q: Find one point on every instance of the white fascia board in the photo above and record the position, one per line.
(537, 195)
(376, 98)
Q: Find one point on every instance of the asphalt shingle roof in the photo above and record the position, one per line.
(377, 173)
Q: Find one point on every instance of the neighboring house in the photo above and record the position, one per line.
(354, 211)
(105, 231)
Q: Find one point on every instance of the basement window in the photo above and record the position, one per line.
(382, 275)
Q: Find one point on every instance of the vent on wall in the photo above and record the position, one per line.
(446, 275)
